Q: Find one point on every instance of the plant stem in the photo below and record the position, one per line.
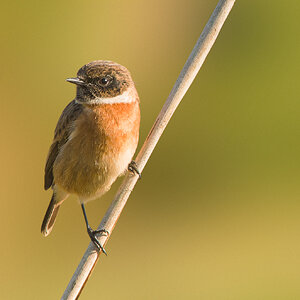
(185, 79)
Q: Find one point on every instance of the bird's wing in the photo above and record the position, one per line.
(62, 132)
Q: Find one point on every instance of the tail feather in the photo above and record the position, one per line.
(50, 216)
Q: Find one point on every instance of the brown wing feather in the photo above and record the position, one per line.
(62, 132)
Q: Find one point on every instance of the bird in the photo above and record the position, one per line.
(94, 140)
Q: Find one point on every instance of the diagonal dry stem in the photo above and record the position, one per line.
(185, 79)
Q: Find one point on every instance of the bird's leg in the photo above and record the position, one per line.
(92, 233)
(132, 167)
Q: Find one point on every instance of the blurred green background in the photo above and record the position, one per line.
(216, 215)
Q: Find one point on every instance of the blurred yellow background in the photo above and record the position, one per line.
(217, 212)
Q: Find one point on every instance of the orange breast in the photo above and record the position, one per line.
(99, 150)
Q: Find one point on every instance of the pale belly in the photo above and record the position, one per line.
(88, 168)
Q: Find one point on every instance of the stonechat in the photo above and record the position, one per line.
(94, 140)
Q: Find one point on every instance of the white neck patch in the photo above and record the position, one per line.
(126, 97)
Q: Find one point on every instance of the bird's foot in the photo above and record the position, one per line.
(93, 236)
(132, 167)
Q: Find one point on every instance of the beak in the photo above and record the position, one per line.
(76, 81)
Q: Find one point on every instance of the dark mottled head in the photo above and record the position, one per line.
(100, 81)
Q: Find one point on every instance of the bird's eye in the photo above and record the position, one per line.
(105, 81)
